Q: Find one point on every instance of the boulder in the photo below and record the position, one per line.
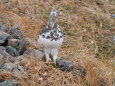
(3, 38)
(34, 53)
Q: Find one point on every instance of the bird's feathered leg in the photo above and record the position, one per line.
(54, 53)
(47, 53)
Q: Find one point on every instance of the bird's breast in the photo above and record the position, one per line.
(50, 42)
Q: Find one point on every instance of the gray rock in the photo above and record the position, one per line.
(69, 66)
(34, 53)
(22, 46)
(65, 65)
(8, 83)
(17, 40)
(3, 53)
(20, 71)
(3, 27)
(14, 68)
(19, 45)
(13, 42)
(113, 16)
(8, 66)
(4, 56)
(12, 51)
(1, 56)
(16, 33)
(3, 37)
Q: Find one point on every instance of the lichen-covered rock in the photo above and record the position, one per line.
(8, 83)
(69, 66)
(12, 51)
(34, 53)
(3, 38)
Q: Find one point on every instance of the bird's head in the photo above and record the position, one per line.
(53, 13)
(53, 16)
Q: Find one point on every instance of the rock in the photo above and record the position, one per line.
(3, 38)
(22, 46)
(113, 16)
(8, 66)
(3, 53)
(12, 51)
(13, 43)
(3, 27)
(1, 56)
(13, 67)
(69, 66)
(16, 33)
(17, 40)
(19, 45)
(4, 56)
(8, 83)
(65, 65)
(34, 53)
(20, 71)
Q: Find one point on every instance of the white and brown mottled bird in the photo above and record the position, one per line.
(51, 38)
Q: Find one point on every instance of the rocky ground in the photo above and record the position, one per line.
(86, 56)
(13, 49)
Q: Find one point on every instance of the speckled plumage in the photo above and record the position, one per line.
(50, 38)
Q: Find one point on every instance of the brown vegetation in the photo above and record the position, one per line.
(88, 29)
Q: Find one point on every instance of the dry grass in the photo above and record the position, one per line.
(88, 29)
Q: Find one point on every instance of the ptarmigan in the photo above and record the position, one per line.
(51, 38)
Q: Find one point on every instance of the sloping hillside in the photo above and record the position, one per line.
(88, 28)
